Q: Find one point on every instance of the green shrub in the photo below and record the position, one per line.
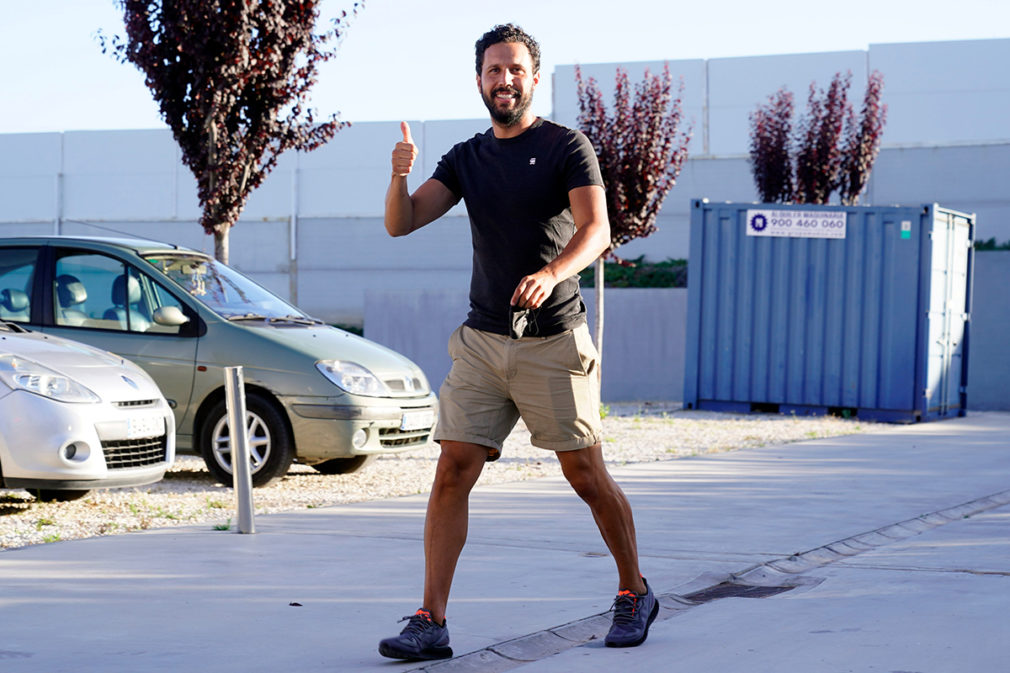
(639, 273)
(991, 244)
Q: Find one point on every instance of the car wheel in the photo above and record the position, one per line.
(271, 450)
(56, 495)
(343, 465)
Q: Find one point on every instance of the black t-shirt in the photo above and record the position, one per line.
(516, 194)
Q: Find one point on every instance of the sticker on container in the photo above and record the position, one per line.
(906, 229)
(797, 223)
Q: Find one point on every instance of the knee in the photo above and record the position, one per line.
(457, 470)
(448, 477)
(586, 484)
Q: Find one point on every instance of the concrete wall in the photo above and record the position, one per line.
(643, 341)
(989, 340)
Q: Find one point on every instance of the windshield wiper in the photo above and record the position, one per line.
(298, 319)
(295, 319)
(13, 327)
(249, 316)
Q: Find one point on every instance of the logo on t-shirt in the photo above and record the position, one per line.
(533, 161)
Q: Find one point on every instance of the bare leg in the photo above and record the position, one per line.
(445, 525)
(587, 473)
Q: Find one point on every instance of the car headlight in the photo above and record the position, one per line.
(20, 373)
(352, 377)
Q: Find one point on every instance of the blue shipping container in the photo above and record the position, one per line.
(858, 310)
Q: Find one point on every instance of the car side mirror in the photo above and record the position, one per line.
(169, 316)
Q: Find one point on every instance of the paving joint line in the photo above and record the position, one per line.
(783, 572)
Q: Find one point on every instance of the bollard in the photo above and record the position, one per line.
(239, 443)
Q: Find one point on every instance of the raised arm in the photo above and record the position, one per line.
(591, 239)
(406, 212)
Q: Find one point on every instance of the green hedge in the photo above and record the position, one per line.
(991, 244)
(639, 273)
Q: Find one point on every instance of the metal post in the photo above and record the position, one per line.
(239, 443)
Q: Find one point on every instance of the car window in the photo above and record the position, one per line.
(17, 269)
(99, 292)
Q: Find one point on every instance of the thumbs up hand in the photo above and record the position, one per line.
(404, 153)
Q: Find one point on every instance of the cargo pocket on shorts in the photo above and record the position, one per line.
(588, 358)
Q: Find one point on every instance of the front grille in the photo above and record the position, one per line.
(393, 437)
(404, 384)
(121, 454)
(129, 404)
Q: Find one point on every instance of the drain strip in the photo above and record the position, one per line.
(759, 581)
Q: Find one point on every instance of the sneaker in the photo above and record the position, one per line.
(421, 638)
(633, 613)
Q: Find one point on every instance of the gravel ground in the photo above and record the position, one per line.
(633, 433)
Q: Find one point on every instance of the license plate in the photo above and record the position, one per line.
(417, 420)
(145, 426)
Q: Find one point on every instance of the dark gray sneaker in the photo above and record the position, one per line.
(421, 638)
(633, 613)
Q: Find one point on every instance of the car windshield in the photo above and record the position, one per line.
(224, 290)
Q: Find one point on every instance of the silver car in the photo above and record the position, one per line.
(75, 418)
(314, 393)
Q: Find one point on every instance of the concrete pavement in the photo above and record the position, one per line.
(891, 552)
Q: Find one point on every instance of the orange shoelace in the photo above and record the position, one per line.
(627, 593)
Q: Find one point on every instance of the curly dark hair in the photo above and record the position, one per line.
(508, 32)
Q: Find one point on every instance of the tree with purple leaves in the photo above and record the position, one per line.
(819, 157)
(771, 128)
(862, 141)
(641, 150)
(831, 150)
(232, 80)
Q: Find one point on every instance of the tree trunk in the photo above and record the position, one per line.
(599, 314)
(221, 242)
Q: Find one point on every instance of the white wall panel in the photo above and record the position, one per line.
(273, 198)
(27, 154)
(944, 92)
(338, 296)
(88, 196)
(25, 229)
(343, 192)
(260, 247)
(118, 152)
(28, 197)
(362, 243)
(736, 86)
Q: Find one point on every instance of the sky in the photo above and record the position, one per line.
(413, 59)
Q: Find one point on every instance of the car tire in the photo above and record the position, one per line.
(56, 495)
(343, 465)
(270, 444)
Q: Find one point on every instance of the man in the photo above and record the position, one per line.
(538, 216)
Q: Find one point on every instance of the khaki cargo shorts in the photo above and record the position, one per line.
(551, 382)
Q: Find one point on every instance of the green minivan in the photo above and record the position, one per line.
(315, 394)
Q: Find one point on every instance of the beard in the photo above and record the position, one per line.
(508, 116)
